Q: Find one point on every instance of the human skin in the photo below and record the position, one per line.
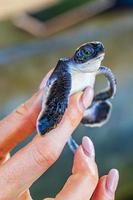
(20, 171)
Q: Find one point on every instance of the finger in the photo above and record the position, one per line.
(30, 162)
(18, 125)
(43, 83)
(5, 158)
(49, 199)
(107, 186)
(25, 196)
(82, 183)
(21, 123)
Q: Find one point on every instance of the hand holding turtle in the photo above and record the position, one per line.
(19, 172)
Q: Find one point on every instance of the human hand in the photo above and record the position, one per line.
(19, 172)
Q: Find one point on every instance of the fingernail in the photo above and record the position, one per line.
(112, 181)
(44, 80)
(87, 97)
(43, 83)
(88, 147)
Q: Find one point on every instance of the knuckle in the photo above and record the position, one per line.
(44, 158)
(24, 112)
(94, 179)
(74, 115)
(90, 179)
(92, 175)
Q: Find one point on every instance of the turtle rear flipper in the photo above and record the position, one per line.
(55, 105)
(98, 114)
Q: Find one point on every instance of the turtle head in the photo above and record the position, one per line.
(88, 57)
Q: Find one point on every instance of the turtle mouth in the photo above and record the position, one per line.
(100, 56)
(93, 64)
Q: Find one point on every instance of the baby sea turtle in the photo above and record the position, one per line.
(70, 76)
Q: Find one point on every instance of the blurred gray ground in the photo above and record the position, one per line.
(114, 141)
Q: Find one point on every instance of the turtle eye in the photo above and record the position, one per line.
(88, 51)
(83, 54)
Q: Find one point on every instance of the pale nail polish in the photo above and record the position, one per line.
(88, 147)
(87, 97)
(43, 83)
(112, 181)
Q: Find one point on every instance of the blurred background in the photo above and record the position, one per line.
(34, 34)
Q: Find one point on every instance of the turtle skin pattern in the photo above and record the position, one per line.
(56, 103)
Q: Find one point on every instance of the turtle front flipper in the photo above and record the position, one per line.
(56, 104)
(111, 89)
(99, 112)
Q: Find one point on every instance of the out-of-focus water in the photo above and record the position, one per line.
(114, 141)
